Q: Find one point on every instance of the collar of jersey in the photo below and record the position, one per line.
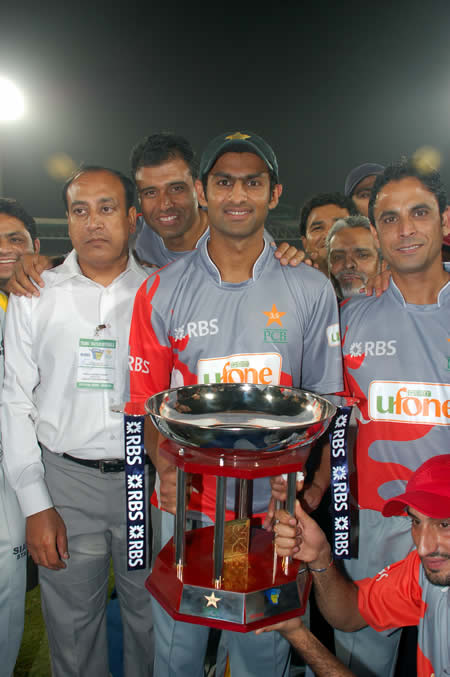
(147, 239)
(423, 308)
(214, 273)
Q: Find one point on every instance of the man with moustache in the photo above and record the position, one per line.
(413, 591)
(396, 365)
(64, 447)
(230, 281)
(352, 255)
(172, 224)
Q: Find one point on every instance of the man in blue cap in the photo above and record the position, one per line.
(359, 182)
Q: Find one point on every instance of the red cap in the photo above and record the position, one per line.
(427, 491)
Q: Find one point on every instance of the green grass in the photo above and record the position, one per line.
(33, 659)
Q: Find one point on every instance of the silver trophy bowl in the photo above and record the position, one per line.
(240, 416)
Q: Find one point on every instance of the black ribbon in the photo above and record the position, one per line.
(135, 490)
(340, 488)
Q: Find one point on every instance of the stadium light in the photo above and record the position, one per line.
(12, 102)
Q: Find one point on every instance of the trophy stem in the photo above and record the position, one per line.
(243, 498)
(179, 536)
(290, 507)
(275, 558)
(291, 492)
(219, 530)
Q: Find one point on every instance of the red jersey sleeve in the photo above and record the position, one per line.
(392, 598)
(150, 351)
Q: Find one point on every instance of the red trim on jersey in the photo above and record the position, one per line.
(369, 473)
(393, 599)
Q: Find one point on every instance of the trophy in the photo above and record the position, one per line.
(228, 575)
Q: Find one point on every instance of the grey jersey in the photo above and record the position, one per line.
(279, 327)
(150, 246)
(397, 363)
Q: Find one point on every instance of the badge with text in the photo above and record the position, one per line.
(340, 490)
(96, 364)
(135, 491)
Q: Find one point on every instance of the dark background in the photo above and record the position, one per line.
(329, 85)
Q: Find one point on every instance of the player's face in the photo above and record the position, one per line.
(238, 194)
(168, 198)
(361, 194)
(353, 258)
(318, 224)
(409, 227)
(432, 540)
(99, 222)
(15, 241)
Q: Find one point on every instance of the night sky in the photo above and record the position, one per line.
(329, 85)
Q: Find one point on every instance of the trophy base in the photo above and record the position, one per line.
(252, 594)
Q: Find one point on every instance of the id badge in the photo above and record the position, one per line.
(96, 364)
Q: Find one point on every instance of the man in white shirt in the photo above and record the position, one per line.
(18, 236)
(58, 400)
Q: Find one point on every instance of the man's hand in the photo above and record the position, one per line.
(379, 283)
(301, 537)
(46, 539)
(279, 493)
(286, 628)
(312, 258)
(311, 496)
(290, 255)
(27, 271)
(168, 488)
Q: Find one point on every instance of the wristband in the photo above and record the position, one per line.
(320, 571)
(316, 571)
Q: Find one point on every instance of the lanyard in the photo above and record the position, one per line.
(340, 490)
(135, 492)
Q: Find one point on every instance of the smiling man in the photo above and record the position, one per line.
(396, 364)
(230, 302)
(413, 591)
(18, 236)
(66, 365)
(353, 256)
(317, 217)
(172, 224)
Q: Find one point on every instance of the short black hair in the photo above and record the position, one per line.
(13, 208)
(322, 199)
(156, 149)
(403, 169)
(127, 183)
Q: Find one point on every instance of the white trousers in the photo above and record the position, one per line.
(13, 561)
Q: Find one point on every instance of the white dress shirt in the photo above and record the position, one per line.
(41, 400)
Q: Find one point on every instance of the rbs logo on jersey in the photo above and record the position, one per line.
(197, 329)
(138, 364)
